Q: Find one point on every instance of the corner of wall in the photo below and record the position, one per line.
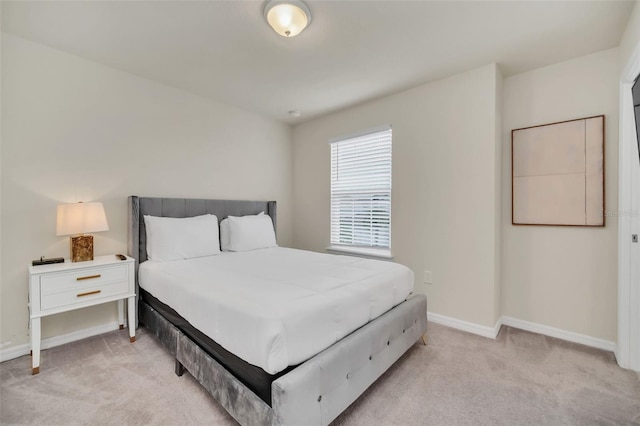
(544, 268)
(497, 311)
(630, 37)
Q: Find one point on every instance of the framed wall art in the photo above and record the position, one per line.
(557, 173)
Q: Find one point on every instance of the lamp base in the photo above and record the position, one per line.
(82, 248)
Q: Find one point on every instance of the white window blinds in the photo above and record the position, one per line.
(361, 190)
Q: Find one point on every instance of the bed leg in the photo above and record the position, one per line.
(179, 369)
(425, 339)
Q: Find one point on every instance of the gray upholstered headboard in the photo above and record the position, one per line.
(181, 207)
(184, 207)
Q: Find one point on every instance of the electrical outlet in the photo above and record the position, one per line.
(428, 279)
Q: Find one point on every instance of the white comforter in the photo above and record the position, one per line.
(277, 307)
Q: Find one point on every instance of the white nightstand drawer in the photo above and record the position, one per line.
(82, 279)
(82, 295)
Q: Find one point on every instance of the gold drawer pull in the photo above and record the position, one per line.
(89, 293)
(88, 277)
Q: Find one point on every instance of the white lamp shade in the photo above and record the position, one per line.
(287, 17)
(81, 218)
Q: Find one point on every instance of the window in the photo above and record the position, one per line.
(361, 192)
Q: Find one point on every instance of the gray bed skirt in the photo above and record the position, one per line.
(315, 392)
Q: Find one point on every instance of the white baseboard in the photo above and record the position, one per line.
(50, 342)
(481, 330)
(492, 332)
(558, 333)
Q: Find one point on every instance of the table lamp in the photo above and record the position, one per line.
(76, 219)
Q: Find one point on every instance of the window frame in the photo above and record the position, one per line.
(383, 252)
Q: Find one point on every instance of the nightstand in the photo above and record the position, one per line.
(63, 287)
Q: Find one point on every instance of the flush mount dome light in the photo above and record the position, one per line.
(287, 17)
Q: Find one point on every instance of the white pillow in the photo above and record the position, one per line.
(248, 233)
(225, 238)
(170, 238)
(225, 233)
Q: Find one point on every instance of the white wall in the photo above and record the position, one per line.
(631, 36)
(74, 130)
(446, 183)
(452, 195)
(563, 277)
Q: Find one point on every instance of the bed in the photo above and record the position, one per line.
(295, 389)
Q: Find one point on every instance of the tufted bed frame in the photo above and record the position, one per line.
(313, 393)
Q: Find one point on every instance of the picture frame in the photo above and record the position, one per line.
(557, 173)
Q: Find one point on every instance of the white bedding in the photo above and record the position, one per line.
(277, 307)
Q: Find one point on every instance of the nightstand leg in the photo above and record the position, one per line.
(121, 313)
(35, 345)
(131, 314)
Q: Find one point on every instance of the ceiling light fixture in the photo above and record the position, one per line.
(287, 17)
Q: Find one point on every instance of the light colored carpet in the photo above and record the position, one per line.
(459, 379)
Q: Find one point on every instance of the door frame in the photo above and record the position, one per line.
(628, 214)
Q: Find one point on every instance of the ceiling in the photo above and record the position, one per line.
(352, 52)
